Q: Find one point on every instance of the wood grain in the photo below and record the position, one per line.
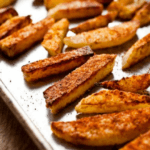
(12, 134)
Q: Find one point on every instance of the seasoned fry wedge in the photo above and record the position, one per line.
(127, 12)
(104, 37)
(102, 130)
(24, 38)
(4, 3)
(108, 101)
(76, 10)
(118, 5)
(131, 84)
(143, 15)
(55, 65)
(7, 13)
(13, 24)
(97, 22)
(137, 52)
(53, 40)
(52, 3)
(78, 82)
(140, 143)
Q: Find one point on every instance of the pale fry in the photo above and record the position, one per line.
(13, 24)
(109, 101)
(137, 52)
(104, 37)
(67, 90)
(104, 130)
(76, 10)
(97, 22)
(24, 38)
(55, 65)
(131, 84)
(53, 40)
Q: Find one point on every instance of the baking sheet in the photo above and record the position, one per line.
(26, 100)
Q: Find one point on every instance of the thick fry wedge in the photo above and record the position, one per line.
(13, 24)
(97, 22)
(127, 12)
(78, 82)
(7, 13)
(53, 40)
(4, 3)
(55, 65)
(137, 52)
(76, 10)
(104, 37)
(52, 3)
(143, 15)
(108, 101)
(24, 38)
(102, 130)
(140, 143)
(118, 5)
(131, 84)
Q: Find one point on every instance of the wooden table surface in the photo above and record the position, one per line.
(12, 134)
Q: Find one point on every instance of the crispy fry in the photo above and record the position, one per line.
(24, 38)
(137, 52)
(7, 13)
(104, 37)
(53, 40)
(76, 10)
(4, 3)
(102, 130)
(97, 22)
(52, 3)
(118, 5)
(140, 143)
(55, 65)
(127, 12)
(13, 24)
(108, 101)
(132, 84)
(143, 15)
(78, 82)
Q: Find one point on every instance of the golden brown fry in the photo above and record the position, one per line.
(143, 15)
(53, 40)
(108, 101)
(78, 82)
(102, 130)
(104, 1)
(55, 65)
(118, 5)
(132, 84)
(7, 13)
(137, 52)
(13, 24)
(125, 2)
(104, 37)
(97, 22)
(76, 10)
(4, 3)
(52, 3)
(127, 12)
(24, 38)
(140, 143)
